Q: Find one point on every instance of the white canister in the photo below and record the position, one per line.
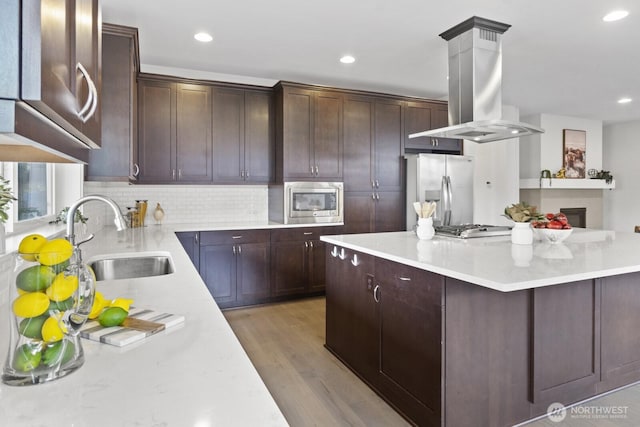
(522, 233)
(425, 229)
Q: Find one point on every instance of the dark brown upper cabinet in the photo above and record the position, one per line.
(243, 135)
(117, 159)
(61, 64)
(50, 90)
(174, 132)
(308, 134)
(421, 116)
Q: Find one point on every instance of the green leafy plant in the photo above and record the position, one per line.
(6, 198)
(522, 212)
(62, 217)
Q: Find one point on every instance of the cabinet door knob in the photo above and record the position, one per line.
(355, 261)
(334, 252)
(376, 293)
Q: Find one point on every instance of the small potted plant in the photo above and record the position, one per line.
(6, 198)
(522, 214)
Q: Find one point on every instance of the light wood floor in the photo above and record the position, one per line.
(285, 342)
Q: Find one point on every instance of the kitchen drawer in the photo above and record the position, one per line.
(304, 233)
(233, 237)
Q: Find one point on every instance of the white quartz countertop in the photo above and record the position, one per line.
(496, 263)
(196, 374)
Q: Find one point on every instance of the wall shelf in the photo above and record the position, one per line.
(566, 184)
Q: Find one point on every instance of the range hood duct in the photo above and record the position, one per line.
(475, 85)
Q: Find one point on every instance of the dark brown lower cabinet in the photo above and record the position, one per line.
(190, 241)
(384, 320)
(298, 260)
(235, 266)
(444, 352)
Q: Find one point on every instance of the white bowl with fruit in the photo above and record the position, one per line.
(555, 228)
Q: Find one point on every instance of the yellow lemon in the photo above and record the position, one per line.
(51, 330)
(55, 252)
(99, 304)
(62, 287)
(31, 304)
(123, 303)
(31, 245)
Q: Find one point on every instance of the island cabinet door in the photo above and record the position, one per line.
(566, 342)
(620, 328)
(410, 331)
(218, 270)
(352, 329)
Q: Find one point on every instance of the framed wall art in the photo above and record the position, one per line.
(574, 152)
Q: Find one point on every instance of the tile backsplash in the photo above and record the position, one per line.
(181, 203)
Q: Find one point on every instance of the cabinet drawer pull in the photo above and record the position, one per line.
(239, 250)
(405, 279)
(179, 173)
(310, 244)
(377, 196)
(237, 237)
(373, 196)
(343, 254)
(306, 245)
(334, 252)
(355, 261)
(136, 169)
(377, 184)
(89, 107)
(234, 249)
(308, 233)
(316, 170)
(246, 174)
(376, 293)
(241, 174)
(196, 238)
(173, 174)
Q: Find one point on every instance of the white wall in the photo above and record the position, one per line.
(621, 156)
(545, 150)
(496, 171)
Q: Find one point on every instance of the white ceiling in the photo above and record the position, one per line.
(559, 57)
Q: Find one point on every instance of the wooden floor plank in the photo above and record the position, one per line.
(285, 342)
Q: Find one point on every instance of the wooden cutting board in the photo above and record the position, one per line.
(139, 324)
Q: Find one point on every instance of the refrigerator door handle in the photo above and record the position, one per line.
(448, 196)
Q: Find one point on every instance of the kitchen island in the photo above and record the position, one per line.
(480, 331)
(194, 374)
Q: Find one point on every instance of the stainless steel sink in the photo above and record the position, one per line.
(131, 266)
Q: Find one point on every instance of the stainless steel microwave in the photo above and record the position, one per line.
(307, 202)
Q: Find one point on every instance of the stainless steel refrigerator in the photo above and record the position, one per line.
(445, 179)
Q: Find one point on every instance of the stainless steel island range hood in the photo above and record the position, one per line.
(475, 85)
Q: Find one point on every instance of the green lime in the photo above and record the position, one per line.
(58, 352)
(59, 268)
(62, 305)
(112, 316)
(27, 357)
(31, 327)
(35, 278)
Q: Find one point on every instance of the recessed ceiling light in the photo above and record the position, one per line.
(347, 59)
(615, 15)
(624, 100)
(203, 37)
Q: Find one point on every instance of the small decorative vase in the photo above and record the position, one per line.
(50, 303)
(158, 214)
(425, 229)
(522, 233)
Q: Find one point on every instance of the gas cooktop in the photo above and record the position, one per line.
(467, 231)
